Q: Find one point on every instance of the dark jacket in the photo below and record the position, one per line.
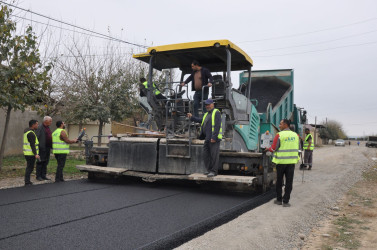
(206, 78)
(206, 131)
(41, 134)
(31, 139)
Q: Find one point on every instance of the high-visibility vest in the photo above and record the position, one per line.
(288, 150)
(155, 90)
(306, 143)
(27, 147)
(220, 136)
(59, 146)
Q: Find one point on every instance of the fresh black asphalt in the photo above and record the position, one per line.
(127, 215)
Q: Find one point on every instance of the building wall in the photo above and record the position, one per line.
(91, 130)
(17, 124)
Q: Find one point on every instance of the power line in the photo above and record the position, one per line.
(53, 26)
(319, 50)
(309, 44)
(93, 55)
(365, 123)
(311, 32)
(91, 35)
(75, 26)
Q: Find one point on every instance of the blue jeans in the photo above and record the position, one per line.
(197, 100)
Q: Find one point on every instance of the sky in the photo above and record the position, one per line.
(331, 45)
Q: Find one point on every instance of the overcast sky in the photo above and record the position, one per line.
(331, 45)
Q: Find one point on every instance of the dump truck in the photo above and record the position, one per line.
(371, 142)
(250, 117)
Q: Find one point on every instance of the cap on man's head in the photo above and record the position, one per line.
(208, 102)
(307, 129)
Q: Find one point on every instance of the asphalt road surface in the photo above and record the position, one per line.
(122, 215)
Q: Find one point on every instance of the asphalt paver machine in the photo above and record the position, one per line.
(248, 113)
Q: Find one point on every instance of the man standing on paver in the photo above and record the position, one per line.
(200, 77)
(30, 148)
(44, 135)
(285, 148)
(60, 148)
(308, 147)
(211, 132)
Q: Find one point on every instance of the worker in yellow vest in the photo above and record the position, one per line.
(30, 149)
(144, 89)
(60, 148)
(308, 147)
(285, 148)
(211, 132)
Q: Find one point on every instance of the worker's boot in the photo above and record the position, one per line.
(211, 174)
(310, 168)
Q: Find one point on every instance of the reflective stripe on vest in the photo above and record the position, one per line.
(306, 143)
(155, 90)
(220, 135)
(288, 150)
(58, 145)
(26, 147)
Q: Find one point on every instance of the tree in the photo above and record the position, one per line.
(333, 130)
(98, 88)
(23, 77)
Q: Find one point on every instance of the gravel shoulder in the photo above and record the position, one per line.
(335, 171)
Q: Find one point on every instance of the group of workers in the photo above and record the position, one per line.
(38, 143)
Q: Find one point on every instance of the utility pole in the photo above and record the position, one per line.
(315, 130)
(167, 86)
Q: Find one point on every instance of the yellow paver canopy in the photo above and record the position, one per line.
(211, 54)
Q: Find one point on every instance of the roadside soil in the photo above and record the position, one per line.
(319, 207)
(353, 222)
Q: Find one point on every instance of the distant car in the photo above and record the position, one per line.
(340, 142)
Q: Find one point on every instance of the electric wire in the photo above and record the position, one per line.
(319, 50)
(322, 42)
(74, 56)
(57, 27)
(72, 25)
(311, 32)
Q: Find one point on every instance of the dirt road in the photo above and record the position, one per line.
(271, 226)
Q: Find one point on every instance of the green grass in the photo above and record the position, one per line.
(70, 166)
(347, 225)
(326, 247)
(14, 166)
(77, 147)
(346, 222)
(10, 161)
(371, 175)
